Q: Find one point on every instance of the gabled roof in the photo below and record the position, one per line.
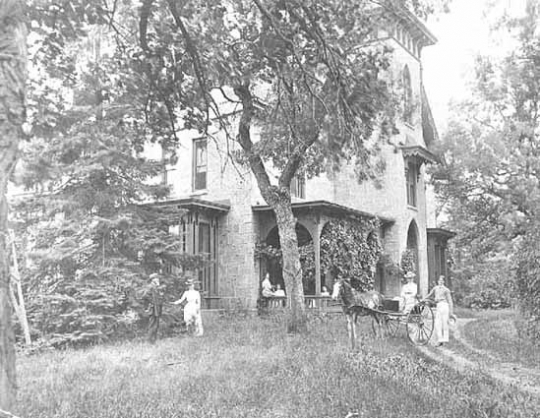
(329, 208)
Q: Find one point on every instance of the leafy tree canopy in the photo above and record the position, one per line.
(490, 179)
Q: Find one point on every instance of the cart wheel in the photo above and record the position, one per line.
(420, 323)
(392, 325)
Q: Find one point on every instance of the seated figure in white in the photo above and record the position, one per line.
(266, 287)
(324, 291)
(409, 293)
(279, 292)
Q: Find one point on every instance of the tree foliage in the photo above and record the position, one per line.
(92, 239)
(490, 180)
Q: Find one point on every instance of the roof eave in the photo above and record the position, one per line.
(441, 232)
(196, 203)
(328, 206)
(419, 152)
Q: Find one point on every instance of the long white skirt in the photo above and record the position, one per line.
(442, 318)
(193, 319)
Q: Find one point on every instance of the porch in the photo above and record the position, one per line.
(313, 221)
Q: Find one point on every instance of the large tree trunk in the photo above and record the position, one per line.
(292, 269)
(12, 115)
(279, 198)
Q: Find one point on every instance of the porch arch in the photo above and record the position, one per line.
(273, 266)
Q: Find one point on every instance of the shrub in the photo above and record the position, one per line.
(90, 309)
(486, 299)
(486, 285)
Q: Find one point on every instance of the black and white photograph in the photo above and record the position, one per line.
(269, 208)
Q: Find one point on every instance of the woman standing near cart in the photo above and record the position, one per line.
(445, 309)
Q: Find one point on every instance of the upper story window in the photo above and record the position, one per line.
(200, 162)
(411, 174)
(407, 95)
(298, 186)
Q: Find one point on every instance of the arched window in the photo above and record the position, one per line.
(412, 244)
(407, 96)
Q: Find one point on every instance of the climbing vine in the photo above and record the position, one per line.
(408, 261)
(350, 249)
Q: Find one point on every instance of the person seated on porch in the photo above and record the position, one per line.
(278, 297)
(409, 292)
(324, 291)
(279, 292)
(266, 287)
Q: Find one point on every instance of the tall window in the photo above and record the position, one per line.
(205, 248)
(199, 164)
(407, 96)
(412, 180)
(298, 186)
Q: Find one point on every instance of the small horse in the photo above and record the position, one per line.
(357, 304)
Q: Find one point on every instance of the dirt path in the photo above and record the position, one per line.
(462, 356)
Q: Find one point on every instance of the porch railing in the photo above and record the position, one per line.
(234, 302)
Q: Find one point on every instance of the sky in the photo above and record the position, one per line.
(462, 34)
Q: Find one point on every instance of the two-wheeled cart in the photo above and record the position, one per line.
(419, 321)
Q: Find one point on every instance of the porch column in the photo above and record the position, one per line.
(317, 250)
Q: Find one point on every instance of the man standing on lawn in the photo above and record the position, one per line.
(154, 301)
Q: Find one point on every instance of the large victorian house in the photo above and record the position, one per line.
(225, 216)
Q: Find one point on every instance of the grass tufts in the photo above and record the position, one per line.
(251, 367)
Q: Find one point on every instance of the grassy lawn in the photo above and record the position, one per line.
(251, 368)
(496, 331)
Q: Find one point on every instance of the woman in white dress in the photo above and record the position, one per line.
(192, 310)
(266, 287)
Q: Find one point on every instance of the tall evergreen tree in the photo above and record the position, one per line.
(92, 238)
